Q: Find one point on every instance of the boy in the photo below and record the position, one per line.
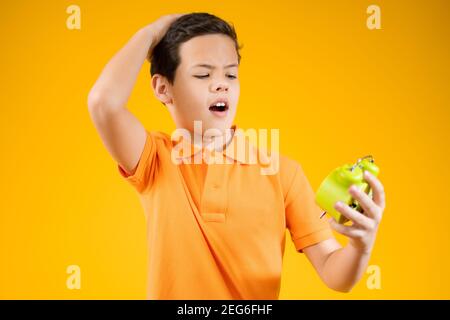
(216, 230)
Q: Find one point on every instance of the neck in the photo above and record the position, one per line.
(218, 142)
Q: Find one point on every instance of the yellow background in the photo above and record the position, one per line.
(334, 88)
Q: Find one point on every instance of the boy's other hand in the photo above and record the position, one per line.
(363, 231)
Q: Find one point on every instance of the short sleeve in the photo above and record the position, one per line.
(144, 172)
(303, 214)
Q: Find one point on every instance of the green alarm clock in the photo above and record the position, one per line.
(335, 187)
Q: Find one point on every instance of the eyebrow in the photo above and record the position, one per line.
(212, 67)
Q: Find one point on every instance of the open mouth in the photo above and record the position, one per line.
(219, 108)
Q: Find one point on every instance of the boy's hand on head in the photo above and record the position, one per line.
(362, 232)
(159, 28)
(123, 135)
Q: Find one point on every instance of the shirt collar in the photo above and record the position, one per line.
(239, 149)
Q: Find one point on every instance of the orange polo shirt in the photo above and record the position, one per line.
(217, 231)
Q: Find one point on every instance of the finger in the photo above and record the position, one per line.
(348, 231)
(352, 214)
(371, 210)
(378, 189)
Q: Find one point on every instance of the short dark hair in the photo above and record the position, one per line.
(165, 57)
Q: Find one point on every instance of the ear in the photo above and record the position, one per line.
(162, 89)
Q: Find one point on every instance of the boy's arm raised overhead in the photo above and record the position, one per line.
(121, 132)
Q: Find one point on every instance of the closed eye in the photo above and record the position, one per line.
(207, 75)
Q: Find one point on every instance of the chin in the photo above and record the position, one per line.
(210, 124)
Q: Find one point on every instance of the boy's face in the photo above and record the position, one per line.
(208, 72)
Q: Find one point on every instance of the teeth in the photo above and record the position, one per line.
(220, 104)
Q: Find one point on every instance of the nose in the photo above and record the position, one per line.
(219, 86)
